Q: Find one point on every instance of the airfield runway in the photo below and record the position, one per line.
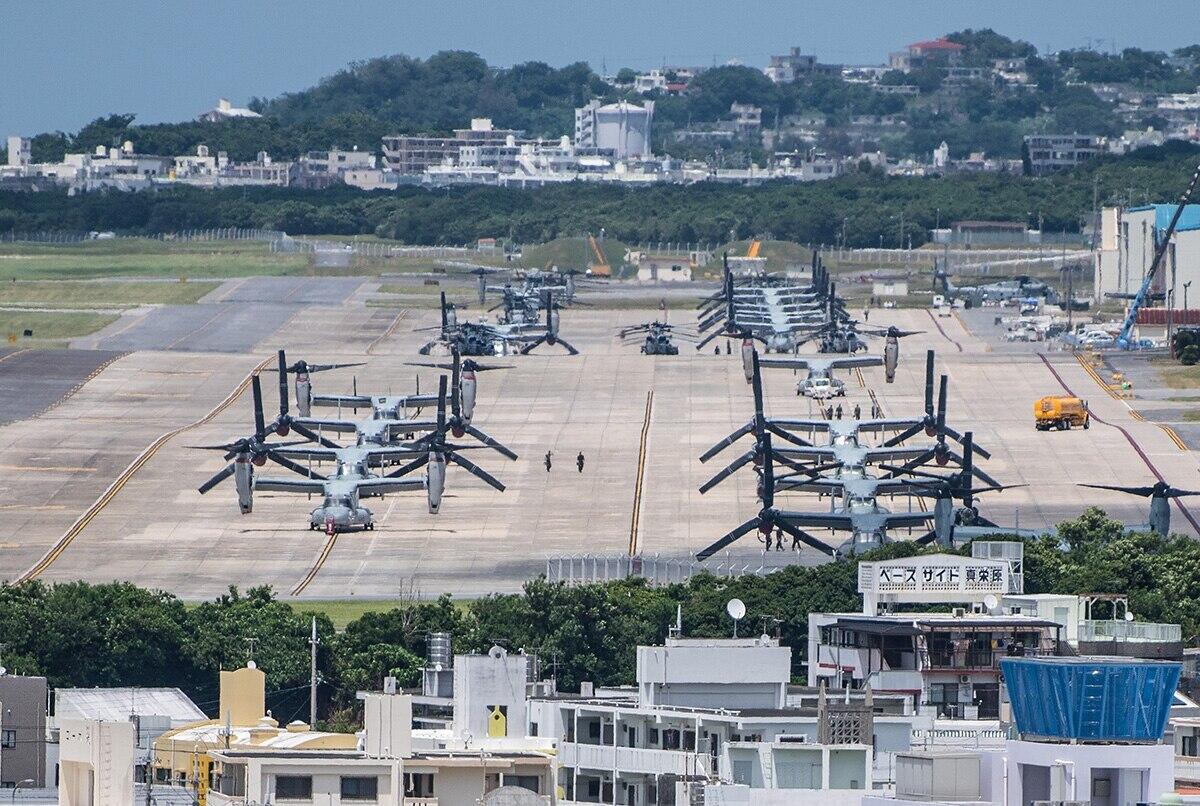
(641, 422)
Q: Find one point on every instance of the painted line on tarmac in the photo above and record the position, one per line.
(1134, 413)
(634, 546)
(326, 550)
(70, 392)
(387, 334)
(108, 495)
(941, 330)
(1128, 438)
(14, 354)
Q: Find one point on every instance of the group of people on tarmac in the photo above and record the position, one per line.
(549, 461)
(835, 412)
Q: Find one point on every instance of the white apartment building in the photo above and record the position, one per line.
(712, 714)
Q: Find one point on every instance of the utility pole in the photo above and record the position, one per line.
(312, 676)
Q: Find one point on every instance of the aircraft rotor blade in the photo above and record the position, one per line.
(225, 473)
(475, 470)
(260, 427)
(728, 470)
(491, 442)
(404, 470)
(744, 529)
(294, 466)
(729, 440)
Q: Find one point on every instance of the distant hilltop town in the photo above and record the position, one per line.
(972, 101)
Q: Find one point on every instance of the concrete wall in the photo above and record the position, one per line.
(23, 710)
(1071, 767)
(1127, 250)
(95, 763)
(482, 682)
(734, 673)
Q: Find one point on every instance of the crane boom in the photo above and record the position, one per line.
(1124, 340)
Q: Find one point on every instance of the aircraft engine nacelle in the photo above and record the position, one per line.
(435, 480)
(451, 317)
(553, 334)
(1160, 515)
(304, 394)
(243, 480)
(468, 388)
(943, 522)
(748, 359)
(891, 357)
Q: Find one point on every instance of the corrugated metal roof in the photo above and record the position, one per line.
(116, 704)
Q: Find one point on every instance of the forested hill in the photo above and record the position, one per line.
(399, 94)
(871, 205)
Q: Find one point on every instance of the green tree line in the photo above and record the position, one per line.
(117, 634)
(871, 206)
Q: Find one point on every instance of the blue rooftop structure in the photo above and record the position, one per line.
(1162, 216)
(1090, 699)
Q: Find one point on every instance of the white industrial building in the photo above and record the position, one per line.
(1128, 238)
(622, 127)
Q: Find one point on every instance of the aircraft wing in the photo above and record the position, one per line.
(313, 451)
(815, 454)
(785, 363)
(889, 424)
(390, 452)
(852, 361)
(337, 426)
(806, 425)
(895, 452)
(289, 485)
(343, 401)
(386, 485)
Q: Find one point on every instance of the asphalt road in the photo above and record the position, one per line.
(233, 318)
(32, 381)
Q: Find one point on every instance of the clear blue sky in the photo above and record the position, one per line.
(65, 62)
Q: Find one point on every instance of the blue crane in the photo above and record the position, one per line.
(1125, 340)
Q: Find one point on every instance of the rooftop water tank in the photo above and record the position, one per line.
(438, 648)
(1090, 699)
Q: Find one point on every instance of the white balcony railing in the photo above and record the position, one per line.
(1187, 768)
(1110, 630)
(650, 761)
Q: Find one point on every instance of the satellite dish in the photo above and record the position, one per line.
(3, 671)
(1128, 616)
(251, 665)
(990, 601)
(736, 609)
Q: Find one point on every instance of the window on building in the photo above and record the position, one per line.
(531, 782)
(8, 738)
(293, 787)
(359, 787)
(418, 785)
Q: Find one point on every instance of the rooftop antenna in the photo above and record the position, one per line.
(250, 653)
(736, 609)
(677, 630)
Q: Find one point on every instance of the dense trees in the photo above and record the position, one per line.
(116, 634)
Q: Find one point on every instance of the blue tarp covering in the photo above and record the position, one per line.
(1091, 699)
(1162, 216)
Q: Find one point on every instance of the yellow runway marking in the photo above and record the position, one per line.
(1137, 415)
(312, 572)
(387, 334)
(641, 474)
(108, 495)
(14, 354)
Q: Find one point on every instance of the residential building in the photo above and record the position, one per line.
(18, 151)
(22, 731)
(649, 82)
(747, 118)
(1048, 153)
(935, 52)
(709, 711)
(1128, 239)
(796, 66)
(224, 110)
(262, 171)
(407, 154)
(622, 128)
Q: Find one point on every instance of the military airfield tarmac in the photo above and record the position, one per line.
(100, 481)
